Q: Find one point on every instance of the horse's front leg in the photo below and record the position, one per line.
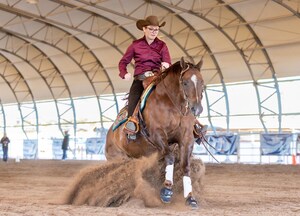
(166, 191)
(186, 150)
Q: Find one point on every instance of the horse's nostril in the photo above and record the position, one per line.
(194, 110)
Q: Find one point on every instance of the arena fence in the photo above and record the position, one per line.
(248, 148)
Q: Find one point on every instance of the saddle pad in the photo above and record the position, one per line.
(145, 95)
(122, 116)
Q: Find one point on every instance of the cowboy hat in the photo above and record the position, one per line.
(150, 20)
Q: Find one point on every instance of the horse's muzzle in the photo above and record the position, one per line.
(197, 110)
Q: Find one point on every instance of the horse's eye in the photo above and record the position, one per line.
(184, 83)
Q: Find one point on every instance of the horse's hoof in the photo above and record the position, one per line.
(166, 195)
(190, 201)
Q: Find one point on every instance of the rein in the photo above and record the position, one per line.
(184, 94)
(205, 142)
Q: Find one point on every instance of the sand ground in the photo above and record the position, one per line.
(35, 187)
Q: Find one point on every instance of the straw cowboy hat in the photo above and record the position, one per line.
(150, 20)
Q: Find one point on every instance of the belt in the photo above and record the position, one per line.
(144, 75)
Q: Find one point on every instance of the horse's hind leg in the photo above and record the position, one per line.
(112, 151)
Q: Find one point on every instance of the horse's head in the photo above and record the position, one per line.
(192, 84)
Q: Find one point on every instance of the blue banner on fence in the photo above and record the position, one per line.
(57, 152)
(30, 148)
(223, 144)
(95, 145)
(276, 144)
(199, 149)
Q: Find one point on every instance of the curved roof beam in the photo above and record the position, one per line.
(257, 84)
(92, 21)
(46, 69)
(75, 50)
(288, 4)
(22, 93)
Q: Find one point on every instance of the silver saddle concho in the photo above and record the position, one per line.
(148, 74)
(145, 75)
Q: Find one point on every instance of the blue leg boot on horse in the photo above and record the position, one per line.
(166, 192)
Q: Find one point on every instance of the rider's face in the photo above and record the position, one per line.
(151, 32)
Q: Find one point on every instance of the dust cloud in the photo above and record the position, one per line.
(112, 184)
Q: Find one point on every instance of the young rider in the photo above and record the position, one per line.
(150, 55)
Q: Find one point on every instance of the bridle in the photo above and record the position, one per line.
(162, 77)
(186, 99)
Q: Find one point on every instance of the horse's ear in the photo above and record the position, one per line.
(199, 65)
(183, 64)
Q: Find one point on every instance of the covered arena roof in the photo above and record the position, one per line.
(60, 48)
(57, 49)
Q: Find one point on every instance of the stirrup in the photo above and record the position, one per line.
(131, 126)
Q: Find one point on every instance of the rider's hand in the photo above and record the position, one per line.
(164, 65)
(127, 77)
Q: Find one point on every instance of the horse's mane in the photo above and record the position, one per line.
(173, 69)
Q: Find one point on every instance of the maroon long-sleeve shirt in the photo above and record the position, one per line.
(146, 57)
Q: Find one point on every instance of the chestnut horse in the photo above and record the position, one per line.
(169, 116)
